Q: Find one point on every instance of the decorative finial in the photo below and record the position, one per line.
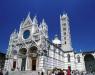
(35, 20)
(43, 21)
(64, 14)
(29, 14)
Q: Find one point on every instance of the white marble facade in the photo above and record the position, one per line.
(30, 48)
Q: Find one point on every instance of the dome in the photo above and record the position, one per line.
(56, 40)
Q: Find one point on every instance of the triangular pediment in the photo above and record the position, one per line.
(27, 22)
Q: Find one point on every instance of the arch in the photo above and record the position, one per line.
(23, 51)
(68, 56)
(89, 62)
(87, 57)
(33, 56)
(33, 49)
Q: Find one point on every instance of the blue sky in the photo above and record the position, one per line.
(81, 16)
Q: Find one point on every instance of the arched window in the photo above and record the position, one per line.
(68, 57)
(78, 58)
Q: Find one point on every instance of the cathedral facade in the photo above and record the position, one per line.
(30, 49)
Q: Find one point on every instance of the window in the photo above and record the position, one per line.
(65, 42)
(78, 58)
(64, 18)
(26, 34)
(68, 57)
(64, 24)
(64, 33)
(64, 29)
(14, 64)
(64, 38)
(48, 52)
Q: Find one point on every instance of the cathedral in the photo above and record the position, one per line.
(30, 49)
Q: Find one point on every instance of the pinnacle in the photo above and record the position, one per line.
(35, 20)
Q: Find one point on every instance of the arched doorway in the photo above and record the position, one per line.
(23, 56)
(89, 63)
(14, 65)
(33, 56)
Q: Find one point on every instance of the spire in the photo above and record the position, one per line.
(44, 28)
(13, 33)
(43, 22)
(21, 24)
(40, 26)
(44, 25)
(35, 20)
(64, 15)
(28, 16)
(35, 28)
(27, 22)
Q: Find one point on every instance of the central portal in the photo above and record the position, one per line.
(33, 56)
(33, 64)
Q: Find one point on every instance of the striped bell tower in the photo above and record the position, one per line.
(65, 33)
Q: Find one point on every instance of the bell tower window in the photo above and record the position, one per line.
(64, 38)
(64, 29)
(64, 33)
(68, 56)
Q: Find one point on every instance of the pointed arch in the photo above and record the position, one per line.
(23, 51)
(26, 22)
(33, 49)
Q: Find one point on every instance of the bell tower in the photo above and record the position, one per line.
(65, 33)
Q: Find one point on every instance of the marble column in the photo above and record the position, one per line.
(28, 63)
